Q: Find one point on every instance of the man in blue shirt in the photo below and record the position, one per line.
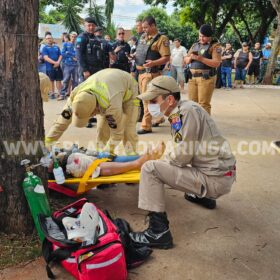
(52, 57)
(266, 55)
(70, 70)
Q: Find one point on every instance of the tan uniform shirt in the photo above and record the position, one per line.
(198, 142)
(116, 93)
(161, 45)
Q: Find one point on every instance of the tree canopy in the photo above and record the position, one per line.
(249, 20)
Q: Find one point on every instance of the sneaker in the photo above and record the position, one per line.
(229, 88)
(203, 201)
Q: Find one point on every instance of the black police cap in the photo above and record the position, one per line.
(90, 20)
(206, 30)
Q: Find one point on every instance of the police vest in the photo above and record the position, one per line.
(242, 59)
(204, 51)
(144, 52)
(94, 52)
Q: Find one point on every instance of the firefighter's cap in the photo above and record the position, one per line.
(83, 107)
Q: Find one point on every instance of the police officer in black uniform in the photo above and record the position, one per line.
(122, 52)
(89, 49)
(106, 46)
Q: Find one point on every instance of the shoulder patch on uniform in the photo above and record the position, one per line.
(79, 40)
(175, 121)
(178, 137)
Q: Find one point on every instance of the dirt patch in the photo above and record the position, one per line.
(19, 248)
(15, 249)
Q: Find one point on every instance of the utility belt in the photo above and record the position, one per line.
(149, 70)
(205, 74)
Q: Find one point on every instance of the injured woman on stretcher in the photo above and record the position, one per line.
(75, 162)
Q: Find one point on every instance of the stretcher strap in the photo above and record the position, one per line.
(90, 170)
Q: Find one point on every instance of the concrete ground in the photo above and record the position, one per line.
(237, 240)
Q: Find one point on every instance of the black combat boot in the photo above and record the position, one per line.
(203, 201)
(156, 235)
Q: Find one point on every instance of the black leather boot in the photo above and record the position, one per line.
(156, 235)
(208, 203)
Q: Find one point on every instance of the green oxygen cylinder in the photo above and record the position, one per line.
(35, 195)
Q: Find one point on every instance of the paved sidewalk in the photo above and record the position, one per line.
(238, 240)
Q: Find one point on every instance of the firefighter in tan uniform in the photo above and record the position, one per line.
(152, 52)
(204, 57)
(45, 86)
(200, 164)
(111, 93)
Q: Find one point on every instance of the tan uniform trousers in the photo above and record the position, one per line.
(130, 137)
(143, 81)
(201, 91)
(156, 173)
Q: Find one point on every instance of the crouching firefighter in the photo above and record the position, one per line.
(110, 93)
(200, 164)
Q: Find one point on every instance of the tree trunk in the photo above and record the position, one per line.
(275, 47)
(21, 113)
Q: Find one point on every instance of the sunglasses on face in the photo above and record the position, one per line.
(120, 33)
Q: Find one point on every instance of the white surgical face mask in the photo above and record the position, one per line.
(154, 110)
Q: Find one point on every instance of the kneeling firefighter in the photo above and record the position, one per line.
(111, 93)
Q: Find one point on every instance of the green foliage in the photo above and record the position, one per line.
(109, 8)
(97, 12)
(248, 20)
(52, 17)
(111, 30)
(66, 11)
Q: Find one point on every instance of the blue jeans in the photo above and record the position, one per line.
(69, 71)
(226, 76)
(240, 74)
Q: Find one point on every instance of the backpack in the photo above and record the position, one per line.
(103, 260)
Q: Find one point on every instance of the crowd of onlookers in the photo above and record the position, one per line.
(61, 63)
(246, 62)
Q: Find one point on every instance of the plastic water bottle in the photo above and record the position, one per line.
(58, 172)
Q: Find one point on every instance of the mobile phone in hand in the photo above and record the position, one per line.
(195, 52)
